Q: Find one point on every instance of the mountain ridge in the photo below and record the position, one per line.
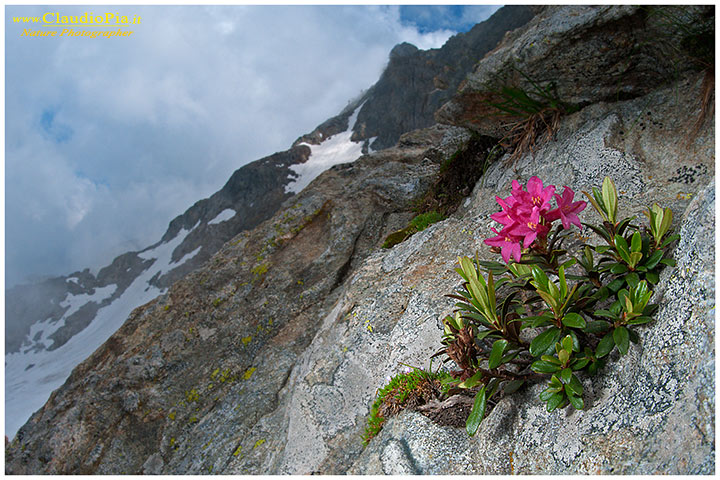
(41, 317)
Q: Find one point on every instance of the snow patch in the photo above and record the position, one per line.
(28, 390)
(223, 216)
(332, 151)
(186, 257)
(370, 142)
(77, 301)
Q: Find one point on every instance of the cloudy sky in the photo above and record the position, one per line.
(108, 139)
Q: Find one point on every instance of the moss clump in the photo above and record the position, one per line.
(424, 220)
(398, 237)
(405, 390)
(417, 224)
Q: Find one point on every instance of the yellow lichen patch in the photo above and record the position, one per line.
(225, 376)
(214, 374)
(192, 395)
(237, 451)
(248, 373)
(258, 443)
(171, 415)
(246, 340)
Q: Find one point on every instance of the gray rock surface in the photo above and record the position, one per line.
(589, 53)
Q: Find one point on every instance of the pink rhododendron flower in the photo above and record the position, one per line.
(567, 209)
(527, 215)
(530, 228)
(539, 196)
(508, 244)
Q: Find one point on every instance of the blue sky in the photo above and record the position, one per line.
(108, 139)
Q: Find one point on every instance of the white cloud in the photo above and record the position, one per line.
(144, 126)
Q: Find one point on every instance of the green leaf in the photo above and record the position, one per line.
(575, 386)
(594, 202)
(668, 261)
(616, 285)
(567, 343)
(541, 280)
(563, 283)
(550, 359)
(609, 196)
(565, 375)
(541, 366)
(580, 363)
(483, 333)
(540, 321)
(652, 277)
(555, 401)
(546, 394)
(576, 402)
(491, 293)
(512, 386)
(639, 320)
(544, 341)
(573, 320)
(472, 381)
(597, 326)
(622, 339)
(636, 242)
(654, 259)
(554, 291)
(669, 240)
(621, 247)
(492, 388)
(605, 346)
(632, 279)
(665, 223)
(496, 353)
(635, 258)
(477, 413)
(563, 355)
(606, 314)
(618, 268)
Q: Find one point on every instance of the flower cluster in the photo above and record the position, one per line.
(527, 216)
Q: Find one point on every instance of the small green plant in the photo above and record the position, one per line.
(534, 114)
(424, 220)
(544, 314)
(409, 389)
(417, 224)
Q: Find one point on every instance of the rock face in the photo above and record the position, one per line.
(416, 83)
(266, 358)
(588, 54)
